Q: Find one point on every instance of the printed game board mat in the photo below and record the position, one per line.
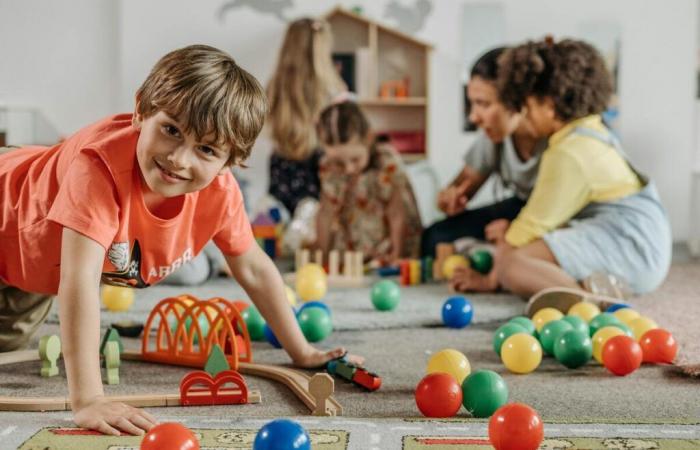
(209, 439)
(219, 439)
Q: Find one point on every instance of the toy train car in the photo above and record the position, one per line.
(354, 374)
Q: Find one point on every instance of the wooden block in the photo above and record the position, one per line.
(112, 362)
(358, 265)
(216, 362)
(304, 260)
(321, 387)
(442, 251)
(111, 335)
(34, 404)
(415, 272)
(18, 356)
(318, 259)
(49, 351)
(347, 264)
(333, 263)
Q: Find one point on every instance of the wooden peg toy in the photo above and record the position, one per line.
(112, 361)
(49, 351)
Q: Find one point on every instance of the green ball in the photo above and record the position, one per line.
(573, 349)
(603, 320)
(255, 323)
(481, 261)
(525, 323)
(578, 323)
(483, 392)
(315, 323)
(504, 332)
(203, 327)
(550, 332)
(385, 295)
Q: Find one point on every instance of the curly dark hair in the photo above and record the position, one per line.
(570, 72)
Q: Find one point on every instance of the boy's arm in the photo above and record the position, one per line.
(263, 283)
(455, 196)
(324, 218)
(79, 314)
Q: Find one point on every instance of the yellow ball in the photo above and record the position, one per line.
(310, 288)
(545, 315)
(600, 338)
(641, 325)
(311, 269)
(521, 353)
(117, 298)
(626, 315)
(291, 296)
(452, 362)
(584, 310)
(451, 263)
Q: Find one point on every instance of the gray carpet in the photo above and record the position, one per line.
(397, 346)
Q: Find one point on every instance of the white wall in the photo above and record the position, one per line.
(85, 58)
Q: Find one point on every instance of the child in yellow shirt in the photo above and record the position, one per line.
(590, 211)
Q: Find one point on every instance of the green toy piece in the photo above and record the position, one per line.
(111, 335)
(216, 362)
(112, 362)
(481, 261)
(49, 351)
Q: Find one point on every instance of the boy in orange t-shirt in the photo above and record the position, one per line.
(127, 201)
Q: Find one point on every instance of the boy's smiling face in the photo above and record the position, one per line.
(173, 163)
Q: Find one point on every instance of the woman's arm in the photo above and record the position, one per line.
(454, 197)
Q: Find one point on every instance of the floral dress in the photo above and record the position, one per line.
(359, 205)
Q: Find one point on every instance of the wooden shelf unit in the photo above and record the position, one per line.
(382, 54)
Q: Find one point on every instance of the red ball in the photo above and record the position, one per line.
(516, 427)
(170, 436)
(622, 355)
(438, 395)
(658, 346)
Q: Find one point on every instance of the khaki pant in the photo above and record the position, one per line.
(21, 314)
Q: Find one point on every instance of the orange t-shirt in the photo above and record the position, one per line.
(91, 183)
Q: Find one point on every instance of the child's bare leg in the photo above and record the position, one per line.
(527, 270)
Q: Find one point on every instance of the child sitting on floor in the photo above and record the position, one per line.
(367, 203)
(590, 211)
(126, 201)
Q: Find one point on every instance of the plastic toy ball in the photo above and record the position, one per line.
(117, 298)
(451, 362)
(658, 346)
(601, 337)
(438, 395)
(451, 263)
(603, 320)
(457, 312)
(291, 296)
(254, 322)
(622, 355)
(551, 332)
(521, 353)
(641, 325)
(573, 349)
(545, 315)
(504, 332)
(316, 304)
(516, 427)
(170, 435)
(311, 286)
(282, 434)
(312, 270)
(385, 295)
(584, 310)
(484, 391)
(481, 261)
(616, 307)
(525, 323)
(270, 337)
(315, 323)
(626, 315)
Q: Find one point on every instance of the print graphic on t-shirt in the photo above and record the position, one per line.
(128, 268)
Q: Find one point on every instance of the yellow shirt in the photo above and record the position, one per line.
(575, 170)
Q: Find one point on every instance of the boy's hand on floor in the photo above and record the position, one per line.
(317, 358)
(112, 418)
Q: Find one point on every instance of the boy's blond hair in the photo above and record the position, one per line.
(209, 94)
(303, 83)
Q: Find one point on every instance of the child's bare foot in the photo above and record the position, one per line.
(466, 279)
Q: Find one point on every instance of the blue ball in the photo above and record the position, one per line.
(615, 306)
(282, 434)
(457, 312)
(314, 303)
(270, 337)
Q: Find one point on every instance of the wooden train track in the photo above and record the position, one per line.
(298, 382)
